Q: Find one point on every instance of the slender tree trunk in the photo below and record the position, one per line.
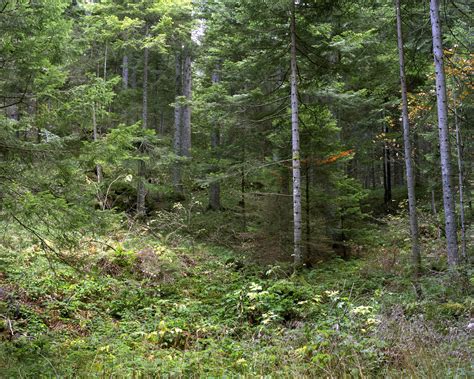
(125, 72)
(295, 137)
(415, 248)
(215, 187)
(442, 105)
(145, 89)
(460, 178)
(187, 93)
(141, 190)
(177, 125)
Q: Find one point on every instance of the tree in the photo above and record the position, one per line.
(444, 143)
(295, 144)
(416, 256)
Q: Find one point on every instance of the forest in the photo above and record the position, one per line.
(236, 188)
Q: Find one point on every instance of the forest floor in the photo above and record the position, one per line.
(139, 307)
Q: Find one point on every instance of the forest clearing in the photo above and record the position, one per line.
(236, 188)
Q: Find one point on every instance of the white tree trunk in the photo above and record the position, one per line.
(444, 146)
(295, 138)
(415, 249)
(125, 72)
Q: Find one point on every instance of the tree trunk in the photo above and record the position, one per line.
(187, 93)
(141, 191)
(215, 187)
(442, 105)
(125, 72)
(415, 248)
(460, 178)
(145, 89)
(177, 125)
(295, 138)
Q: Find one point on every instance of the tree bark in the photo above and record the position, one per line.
(125, 72)
(295, 139)
(444, 146)
(415, 248)
(215, 187)
(145, 89)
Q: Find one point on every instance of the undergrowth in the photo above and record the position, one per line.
(136, 305)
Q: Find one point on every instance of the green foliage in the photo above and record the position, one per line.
(87, 290)
(201, 312)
